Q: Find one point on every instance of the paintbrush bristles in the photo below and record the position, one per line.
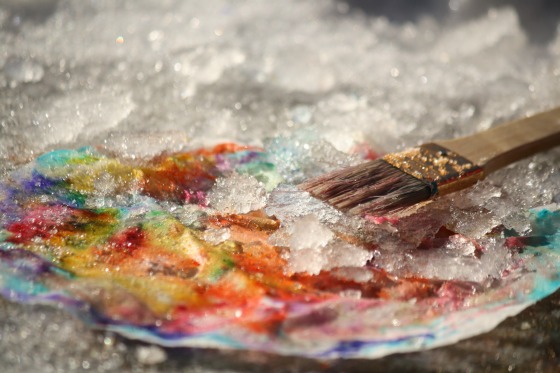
(374, 187)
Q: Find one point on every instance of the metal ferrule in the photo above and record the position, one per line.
(443, 169)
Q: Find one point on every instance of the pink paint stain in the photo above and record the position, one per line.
(197, 197)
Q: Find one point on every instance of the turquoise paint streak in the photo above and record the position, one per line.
(60, 158)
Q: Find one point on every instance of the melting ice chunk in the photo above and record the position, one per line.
(302, 155)
(314, 247)
(309, 233)
(288, 203)
(457, 260)
(237, 194)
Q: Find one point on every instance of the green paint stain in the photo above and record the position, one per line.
(265, 172)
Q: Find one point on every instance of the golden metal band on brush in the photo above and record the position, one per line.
(444, 169)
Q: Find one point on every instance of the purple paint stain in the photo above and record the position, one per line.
(249, 156)
(38, 183)
(223, 163)
(25, 262)
(9, 209)
(196, 197)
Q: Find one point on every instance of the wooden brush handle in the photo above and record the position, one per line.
(510, 142)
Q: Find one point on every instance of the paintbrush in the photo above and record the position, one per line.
(400, 180)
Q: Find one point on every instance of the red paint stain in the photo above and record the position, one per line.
(42, 222)
(127, 241)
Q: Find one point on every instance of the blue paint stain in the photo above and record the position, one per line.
(350, 348)
(62, 157)
(545, 222)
